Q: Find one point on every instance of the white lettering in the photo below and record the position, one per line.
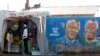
(54, 34)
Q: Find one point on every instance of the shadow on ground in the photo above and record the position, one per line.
(79, 54)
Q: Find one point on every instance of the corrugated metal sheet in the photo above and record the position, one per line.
(67, 10)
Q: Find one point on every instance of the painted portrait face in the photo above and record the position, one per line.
(72, 28)
(90, 30)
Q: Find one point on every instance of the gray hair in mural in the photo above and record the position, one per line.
(70, 22)
(90, 22)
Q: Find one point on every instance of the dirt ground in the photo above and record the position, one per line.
(12, 54)
(80, 54)
(61, 54)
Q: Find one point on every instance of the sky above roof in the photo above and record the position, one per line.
(18, 5)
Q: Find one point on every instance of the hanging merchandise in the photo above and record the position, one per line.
(15, 27)
(11, 42)
(14, 24)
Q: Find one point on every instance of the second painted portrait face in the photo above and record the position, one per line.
(90, 30)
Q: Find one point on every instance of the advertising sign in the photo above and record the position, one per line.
(73, 34)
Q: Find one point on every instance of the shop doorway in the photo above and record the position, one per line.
(16, 25)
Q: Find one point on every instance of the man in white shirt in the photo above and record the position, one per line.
(25, 32)
(25, 38)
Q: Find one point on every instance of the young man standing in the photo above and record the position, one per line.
(25, 38)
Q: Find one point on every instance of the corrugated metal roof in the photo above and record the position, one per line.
(68, 10)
